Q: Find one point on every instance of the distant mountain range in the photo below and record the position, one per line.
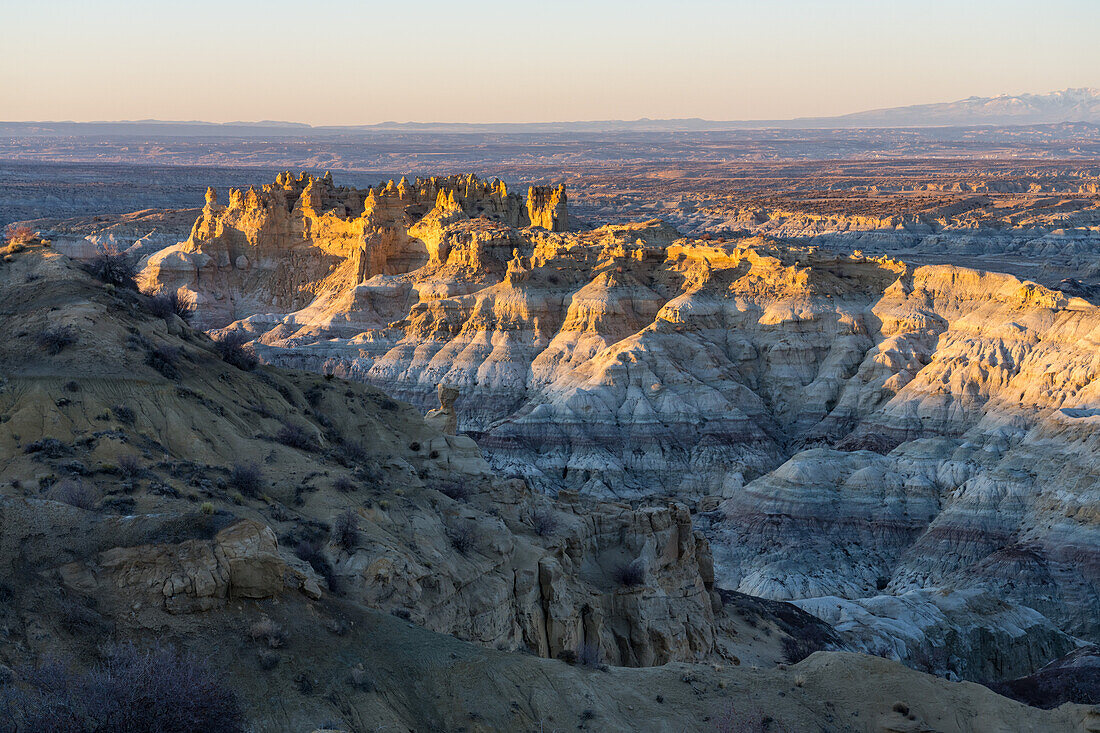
(1068, 105)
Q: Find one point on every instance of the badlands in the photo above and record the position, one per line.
(905, 452)
(706, 478)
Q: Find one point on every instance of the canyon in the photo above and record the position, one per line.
(694, 419)
(369, 569)
(866, 438)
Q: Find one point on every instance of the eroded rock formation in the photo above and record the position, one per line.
(279, 247)
(852, 426)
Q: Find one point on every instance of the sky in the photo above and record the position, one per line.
(359, 61)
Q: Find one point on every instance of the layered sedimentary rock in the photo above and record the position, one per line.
(853, 427)
(279, 247)
(138, 424)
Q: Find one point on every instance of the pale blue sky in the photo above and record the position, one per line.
(485, 61)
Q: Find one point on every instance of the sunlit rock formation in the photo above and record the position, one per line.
(279, 247)
(851, 427)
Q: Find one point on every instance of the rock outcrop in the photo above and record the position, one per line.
(242, 561)
(851, 426)
(280, 247)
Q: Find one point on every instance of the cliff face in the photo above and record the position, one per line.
(277, 248)
(851, 428)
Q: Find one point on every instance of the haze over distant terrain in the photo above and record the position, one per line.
(1067, 105)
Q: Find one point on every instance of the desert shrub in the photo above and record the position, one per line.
(629, 574)
(170, 303)
(246, 478)
(463, 536)
(267, 632)
(207, 508)
(544, 522)
(360, 680)
(314, 554)
(57, 339)
(123, 414)
(72, 386)
(131, 692)
(294, 435)
(588, 655)
(345, 529)
(165, 359)
(75, 467)
(49, 447)
(114, 268)
(309, 551)
(352, 452)
(455, 490)
(235, 350)
(75, 492)
(343, 484)
(129, 466)
(19, 234)
(568, 656)
(136, 341)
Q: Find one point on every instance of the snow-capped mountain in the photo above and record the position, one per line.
(1068, 105)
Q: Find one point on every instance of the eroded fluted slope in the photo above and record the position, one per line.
(934, 425)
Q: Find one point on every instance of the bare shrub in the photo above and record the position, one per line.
(294, 435)
(544, 522)
(129, 466)
(568, 656)
(314, 554)
(235, 350)
(463, 536)
(267, 632)
(352, 452)
(131, 692)
(165, 359)
(170, 303)
(19, 234)
(114, 268)
(629, 574)
(49, 447)
(246, 478)
(57, 339)
(345, 529)
(75, 492)
(344, 485)
(123, 414)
